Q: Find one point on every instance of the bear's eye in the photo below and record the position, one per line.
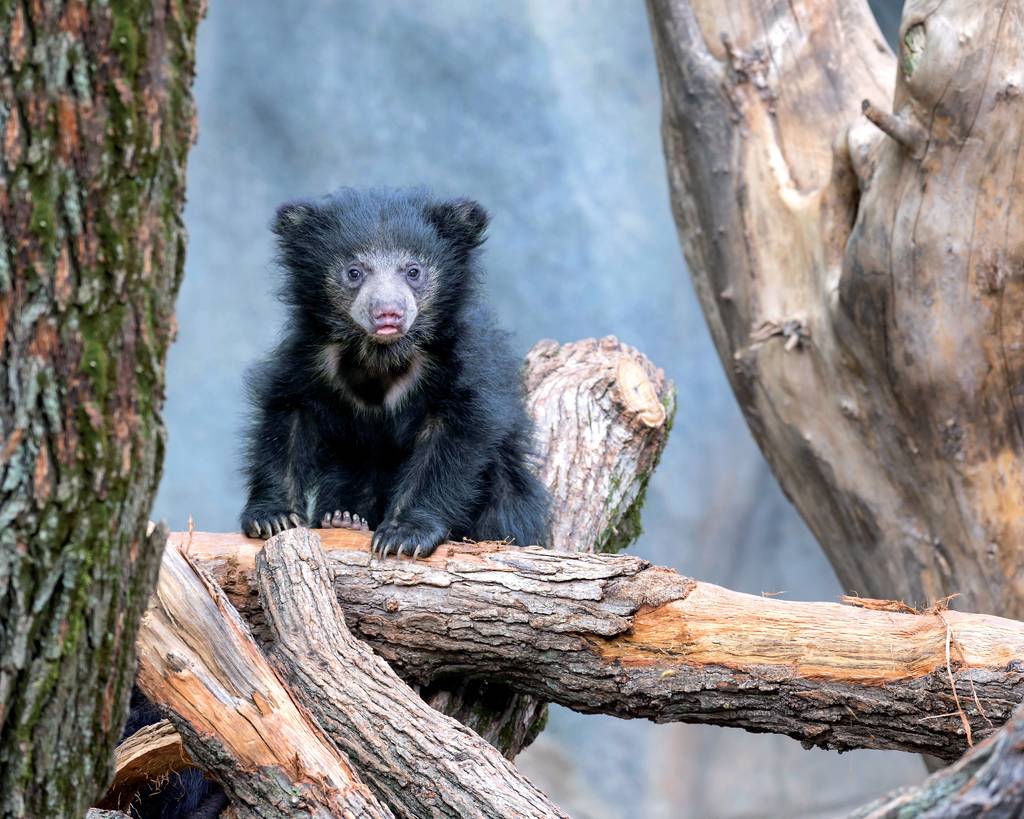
(413, 273)
(353, 274)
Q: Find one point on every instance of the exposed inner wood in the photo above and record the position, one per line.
(148, 755)
(613, 634)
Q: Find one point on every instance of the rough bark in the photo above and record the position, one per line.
(602, 413)
(988, 782)
(861, 275)
(237, 721)
(419, 762)
(95, 124)
(615, 635)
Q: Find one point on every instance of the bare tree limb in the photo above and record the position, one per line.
(417, 760)
(238, 722)
(602, 413)
(615, 635)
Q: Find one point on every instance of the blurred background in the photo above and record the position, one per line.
(547, 111)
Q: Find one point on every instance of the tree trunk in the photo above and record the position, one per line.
(861, 276)
(237, 720)
(417, 761)
(602, 414)
(615, 635)
(96, 123)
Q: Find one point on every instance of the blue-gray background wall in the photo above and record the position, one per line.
(547, 111)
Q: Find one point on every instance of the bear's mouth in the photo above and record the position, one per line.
(388, 330)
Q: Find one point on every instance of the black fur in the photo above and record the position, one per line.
(449, 458)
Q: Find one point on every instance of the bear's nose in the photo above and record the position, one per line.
(393, 312)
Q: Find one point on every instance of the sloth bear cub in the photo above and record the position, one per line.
(393, 402)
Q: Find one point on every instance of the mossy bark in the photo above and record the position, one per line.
(95, 125)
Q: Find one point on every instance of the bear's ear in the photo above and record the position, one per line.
(461, 222)
(292, 215)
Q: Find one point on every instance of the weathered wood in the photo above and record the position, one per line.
(602, 413)
(861, 276)
(615, 635)
(987, 782)
(96, 119)
(418, 761)
(238, 722)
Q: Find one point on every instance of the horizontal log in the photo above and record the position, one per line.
(616, 635)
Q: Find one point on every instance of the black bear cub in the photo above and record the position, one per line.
(393, 402)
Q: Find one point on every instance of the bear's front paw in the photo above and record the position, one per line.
(264, 524)
(398, 537)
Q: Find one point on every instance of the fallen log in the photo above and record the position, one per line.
(615, 635)
(236, 719)
(418, 761)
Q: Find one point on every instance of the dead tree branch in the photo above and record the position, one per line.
(890, 245)
(615, 635)
(602, 414)
(148, 755)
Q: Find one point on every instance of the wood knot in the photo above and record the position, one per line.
(638, 393)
